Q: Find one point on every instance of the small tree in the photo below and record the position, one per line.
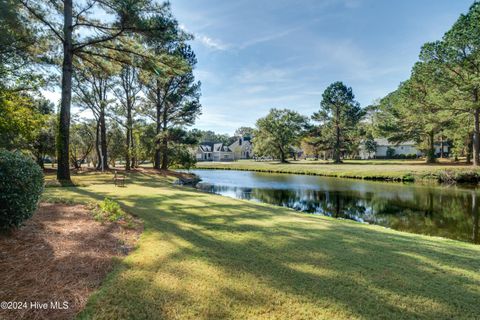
(370, 145)
(390, 153)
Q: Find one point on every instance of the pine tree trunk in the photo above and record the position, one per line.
(129, 137)
(97, 145)
(158, 154)
(337, 146)
(441, 147)
(164, 140)
(337, 137)
(431, 148)
(63, 139)
(103, 140)
(133, 150)
(127, 152)
(164, 154)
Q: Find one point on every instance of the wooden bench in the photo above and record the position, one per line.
(119, 179)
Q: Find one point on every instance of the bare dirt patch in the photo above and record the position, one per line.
(60, 255)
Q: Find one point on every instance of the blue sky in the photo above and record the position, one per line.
(256, 55)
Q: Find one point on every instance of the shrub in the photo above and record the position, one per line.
(21, 185)
(390, 153)
(109, 210)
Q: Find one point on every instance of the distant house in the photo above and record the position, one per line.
(240, 149)
(407, 148)
(214, 152)
(205, 152)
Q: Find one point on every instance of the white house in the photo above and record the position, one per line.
(242, 148)
(214, 152)
(405, 148)
(204, 152)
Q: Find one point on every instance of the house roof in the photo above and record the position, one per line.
(206, 147)
(213, 147)
(220, 147)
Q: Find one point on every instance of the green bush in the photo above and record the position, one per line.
(390, 153)
(109, 210)
(21, 185)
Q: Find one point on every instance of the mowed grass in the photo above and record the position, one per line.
(204, 256)
(401, 170)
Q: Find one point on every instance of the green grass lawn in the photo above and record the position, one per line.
(204, 256)
(406, 170)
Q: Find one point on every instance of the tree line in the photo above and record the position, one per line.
(127, 62)
(336, 131)
(438, 105)
(130, 65)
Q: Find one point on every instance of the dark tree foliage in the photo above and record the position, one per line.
(278, 132)
(244, 132)
(75, 28)
(19, 46)
(174, 103)
(339, 116)
(456, 59)
(212, 137)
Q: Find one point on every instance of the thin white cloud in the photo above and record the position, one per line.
(267, 38)
(206, 40)
(350, 58)
(262, 75)
(255, 89)
(211, 43)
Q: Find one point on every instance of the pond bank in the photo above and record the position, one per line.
(431, 209)
(409, 171)
(205, 256)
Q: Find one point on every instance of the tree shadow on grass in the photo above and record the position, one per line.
(206, 256)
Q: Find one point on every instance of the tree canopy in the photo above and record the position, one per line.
(277, 132)
(338, 117)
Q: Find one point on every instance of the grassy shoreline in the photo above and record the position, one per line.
(206, 256)
(381, 170)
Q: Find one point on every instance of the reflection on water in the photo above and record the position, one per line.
(450, 212)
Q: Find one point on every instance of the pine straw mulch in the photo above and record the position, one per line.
(61, 254)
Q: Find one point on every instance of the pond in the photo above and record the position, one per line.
(445, 211)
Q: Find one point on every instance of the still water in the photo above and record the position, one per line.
(445, 211)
